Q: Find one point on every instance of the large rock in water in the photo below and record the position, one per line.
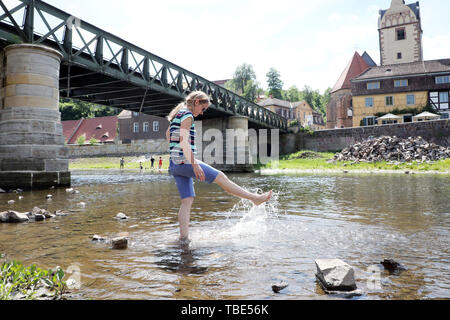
(335, 274)
(13, 217)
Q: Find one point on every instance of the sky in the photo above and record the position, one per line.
(308, 42)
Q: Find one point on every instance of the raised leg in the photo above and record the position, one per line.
(235, 190)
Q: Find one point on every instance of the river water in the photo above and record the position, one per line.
(238, 251)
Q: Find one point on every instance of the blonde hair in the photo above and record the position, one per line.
(188, 102)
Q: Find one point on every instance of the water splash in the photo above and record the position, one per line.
(245, 222)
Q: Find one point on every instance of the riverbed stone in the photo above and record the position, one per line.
(13, 217)
(392, 266)
(98, 238)
(119, 243)
(335, 275)
(121, 216)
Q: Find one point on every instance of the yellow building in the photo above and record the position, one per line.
(403, 89)
(367, 106)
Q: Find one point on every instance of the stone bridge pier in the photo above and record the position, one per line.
(230, 145)
(32, 151)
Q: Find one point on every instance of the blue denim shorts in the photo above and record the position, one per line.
(184, 177)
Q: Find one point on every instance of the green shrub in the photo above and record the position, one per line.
(16, 279)
(81, 140)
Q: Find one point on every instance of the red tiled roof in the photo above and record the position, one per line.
(69, 128)
(356, 66)
(103, 129)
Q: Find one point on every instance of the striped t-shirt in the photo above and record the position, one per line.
(176, 153)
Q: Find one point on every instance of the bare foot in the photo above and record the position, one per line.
(262, 198)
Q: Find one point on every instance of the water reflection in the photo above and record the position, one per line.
(238, 251)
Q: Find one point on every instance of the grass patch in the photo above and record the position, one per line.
(310, 160)
(114, 163)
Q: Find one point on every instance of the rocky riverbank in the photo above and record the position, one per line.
(393, 149)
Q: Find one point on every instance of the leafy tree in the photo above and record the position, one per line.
(292, 94)
(243, 74)
(244, 82)
(251, 90)
(76, 109)
(275, 85)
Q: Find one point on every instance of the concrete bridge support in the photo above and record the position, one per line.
(32, 151)
(225, 143)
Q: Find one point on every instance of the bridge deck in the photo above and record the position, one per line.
(101, 68)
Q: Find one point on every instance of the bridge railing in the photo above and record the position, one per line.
(85, 45)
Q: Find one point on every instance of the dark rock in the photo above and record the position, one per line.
(392, 266)
(119, 243)
(39, 217)
(280, 286)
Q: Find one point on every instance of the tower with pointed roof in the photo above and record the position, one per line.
(400, 33)
(339, 109)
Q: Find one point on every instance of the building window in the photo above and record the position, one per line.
(407, 118)
(373, 85)
(369, 121)
(443, 79)
(440, 99)
(400, 34)
(135, 114)
(389, 101)
(410, 99)
(155, 126)
(136, 127)
(401, 83)
(369, 102)
(146, 127)
(399, 55)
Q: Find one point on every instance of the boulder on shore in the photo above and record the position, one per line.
(335, 275)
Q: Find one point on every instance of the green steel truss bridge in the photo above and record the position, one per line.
(101, 68)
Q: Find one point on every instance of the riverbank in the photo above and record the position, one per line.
(318, 162)
(130, 163)
(300, 162)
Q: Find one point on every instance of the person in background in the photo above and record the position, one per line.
(160, 163)
(122, 163)
(152, 160)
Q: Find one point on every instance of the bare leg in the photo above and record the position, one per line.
(184, 216)
(235, 190)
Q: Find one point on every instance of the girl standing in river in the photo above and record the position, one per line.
(184, 167)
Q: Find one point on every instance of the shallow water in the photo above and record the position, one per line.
(238, 251)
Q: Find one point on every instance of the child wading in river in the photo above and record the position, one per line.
(184, 167)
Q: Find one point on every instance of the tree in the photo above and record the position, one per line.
(251, 90)
(241, 76)
(76, 109)
(244, 82)
(292, 94)
(274, 83)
